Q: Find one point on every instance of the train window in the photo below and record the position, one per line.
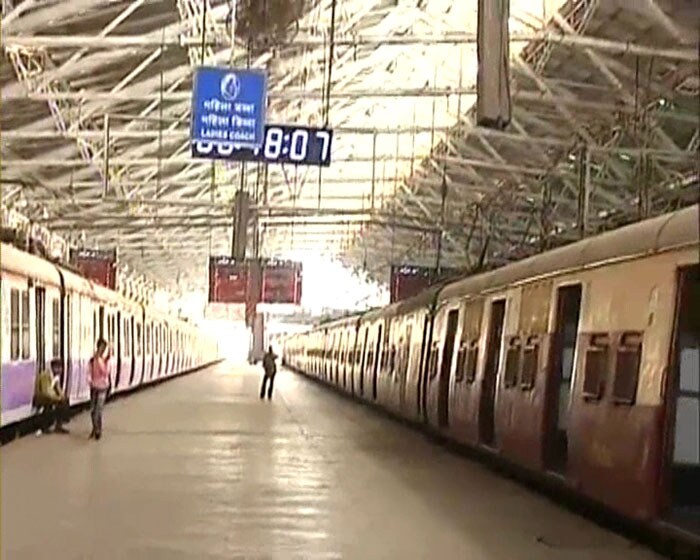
(434, 360)
(127, 338)
(14, 325)
(627, 362)
(25, 325)
(56, 321)
(472, 355)
(392, 360)
(510, 377)
(531, 354)
(461, 360)
(595, 370)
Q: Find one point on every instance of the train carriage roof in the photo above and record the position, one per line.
(16, 261)
(650, 236)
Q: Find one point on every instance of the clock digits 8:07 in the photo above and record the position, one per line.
(278, 143)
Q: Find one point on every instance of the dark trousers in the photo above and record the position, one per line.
(55, 412)
(266, 378)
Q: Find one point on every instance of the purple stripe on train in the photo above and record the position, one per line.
(17, 384)
(18, 379)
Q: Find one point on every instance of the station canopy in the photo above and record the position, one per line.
(95, 121)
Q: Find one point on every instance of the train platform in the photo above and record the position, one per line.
(201, 468)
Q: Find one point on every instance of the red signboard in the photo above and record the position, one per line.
(282, 282)
(228, 280)
(407, 281)
(98, 266)
(252, 282)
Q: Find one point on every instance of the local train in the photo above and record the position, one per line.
(579, 366)
(50, 312)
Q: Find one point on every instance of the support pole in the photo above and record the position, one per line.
(493, 104)
(331, 55)
(584, 190)
(105, 172)
(374, 168)
(438, 256)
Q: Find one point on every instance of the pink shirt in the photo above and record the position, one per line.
(99, 373)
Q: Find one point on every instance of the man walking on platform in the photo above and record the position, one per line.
(270, 368)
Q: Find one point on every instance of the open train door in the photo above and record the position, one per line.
(424, 367)
(681, 481)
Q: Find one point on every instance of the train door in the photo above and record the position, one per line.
(683, 410)
(118, 347)
(130, 329)
(490, 380)
(40, 326)
(559, 376)
(100, 323)
(424, 366)
(444, 381)
(404, 363)
(356, 357)
(67, 339)
(363, 362)
(376, 361)
(346, 358)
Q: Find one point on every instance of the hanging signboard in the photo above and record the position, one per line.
(298, 145)
(228, 108)
(228, 280)
(100, 266)
(407, 281)
(252, 282)
(282, 282)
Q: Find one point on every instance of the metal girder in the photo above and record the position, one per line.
(175, 39)
(379, 87)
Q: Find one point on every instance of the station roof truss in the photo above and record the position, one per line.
(604, 130)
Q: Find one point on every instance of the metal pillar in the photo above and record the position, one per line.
(584, 193)
(241, 216)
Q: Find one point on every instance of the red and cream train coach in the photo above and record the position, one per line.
(582, 364)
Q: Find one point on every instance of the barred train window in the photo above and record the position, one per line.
(627, 362)
(596, 366)
(472, 356)
(56, 316)
(461, 360)
(25, 325)
(127, 339)
(14, 325)
(512, 368)
(531, 360)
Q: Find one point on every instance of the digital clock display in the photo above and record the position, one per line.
(299, 145)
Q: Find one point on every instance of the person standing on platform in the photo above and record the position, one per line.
(270, 368)
(99, 386)
(49, 396)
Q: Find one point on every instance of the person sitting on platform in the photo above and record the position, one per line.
(49, 396)
(270, 368)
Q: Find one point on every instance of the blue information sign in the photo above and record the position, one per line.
(228, 106)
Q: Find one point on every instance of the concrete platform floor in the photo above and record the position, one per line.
(200, 468)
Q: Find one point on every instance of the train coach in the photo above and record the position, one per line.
(50, 312)
(580, 365)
